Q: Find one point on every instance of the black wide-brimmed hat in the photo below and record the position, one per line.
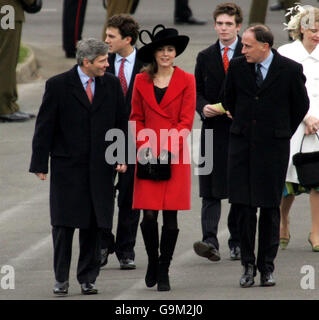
(166, 36)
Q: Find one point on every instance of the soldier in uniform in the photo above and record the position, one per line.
(9, 54)
(116, 7)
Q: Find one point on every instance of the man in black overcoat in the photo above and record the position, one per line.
(79, 107)
(210, 71)
(266, 96)
(121, 36)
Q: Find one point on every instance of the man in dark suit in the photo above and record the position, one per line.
(121, 36)
(210, 71)
(78, 108)
(266, 96)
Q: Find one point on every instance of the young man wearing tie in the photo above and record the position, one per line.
(121, 36)
(210, 71)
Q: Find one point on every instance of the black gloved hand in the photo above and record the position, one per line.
(145, 155)
(164, 157)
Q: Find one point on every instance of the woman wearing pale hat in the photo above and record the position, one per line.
(304, 28)
(164, 98)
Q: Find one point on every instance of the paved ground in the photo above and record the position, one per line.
(24, 216)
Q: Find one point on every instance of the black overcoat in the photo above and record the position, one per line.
(263, 122)
(72, 132)
(210, 77)
(126, 180)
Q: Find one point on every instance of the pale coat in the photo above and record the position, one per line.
(310, 62)
(176, 110)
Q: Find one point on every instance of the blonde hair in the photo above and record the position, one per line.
(301, 17)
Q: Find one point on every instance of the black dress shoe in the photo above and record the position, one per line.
(88, 288)
(247, 279)
(235, 253)
(14, 117)
(61, 288)
(104, 256)
(277, 6)
(127, 264)
(267, 280)
(190, 20)
(206, 250)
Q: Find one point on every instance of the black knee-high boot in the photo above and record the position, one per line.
(150, 236)
(167, 247)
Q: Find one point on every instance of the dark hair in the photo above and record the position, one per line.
(151, 69)
(262, 33)
(126, 25)
(231, 9)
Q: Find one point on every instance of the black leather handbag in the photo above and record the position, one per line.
(34, 8)
(154, 169)
(307, 166)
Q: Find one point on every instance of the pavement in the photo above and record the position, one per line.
(25, 232)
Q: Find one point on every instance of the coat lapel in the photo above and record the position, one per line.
(147, 91)
(99, 94)
(249, 72)
(216, 60)
(215, 65)
(175, 87)
(273, 72)
(136, 69)
(77, 89)
(238, 48)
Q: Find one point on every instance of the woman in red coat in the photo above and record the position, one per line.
(163, 107)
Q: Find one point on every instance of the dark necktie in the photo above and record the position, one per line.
(122, 77)
(225, 59)
(259, 76)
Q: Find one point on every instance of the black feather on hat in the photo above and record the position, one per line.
(166, 36)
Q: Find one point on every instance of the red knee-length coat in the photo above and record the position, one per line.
(176, 112)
